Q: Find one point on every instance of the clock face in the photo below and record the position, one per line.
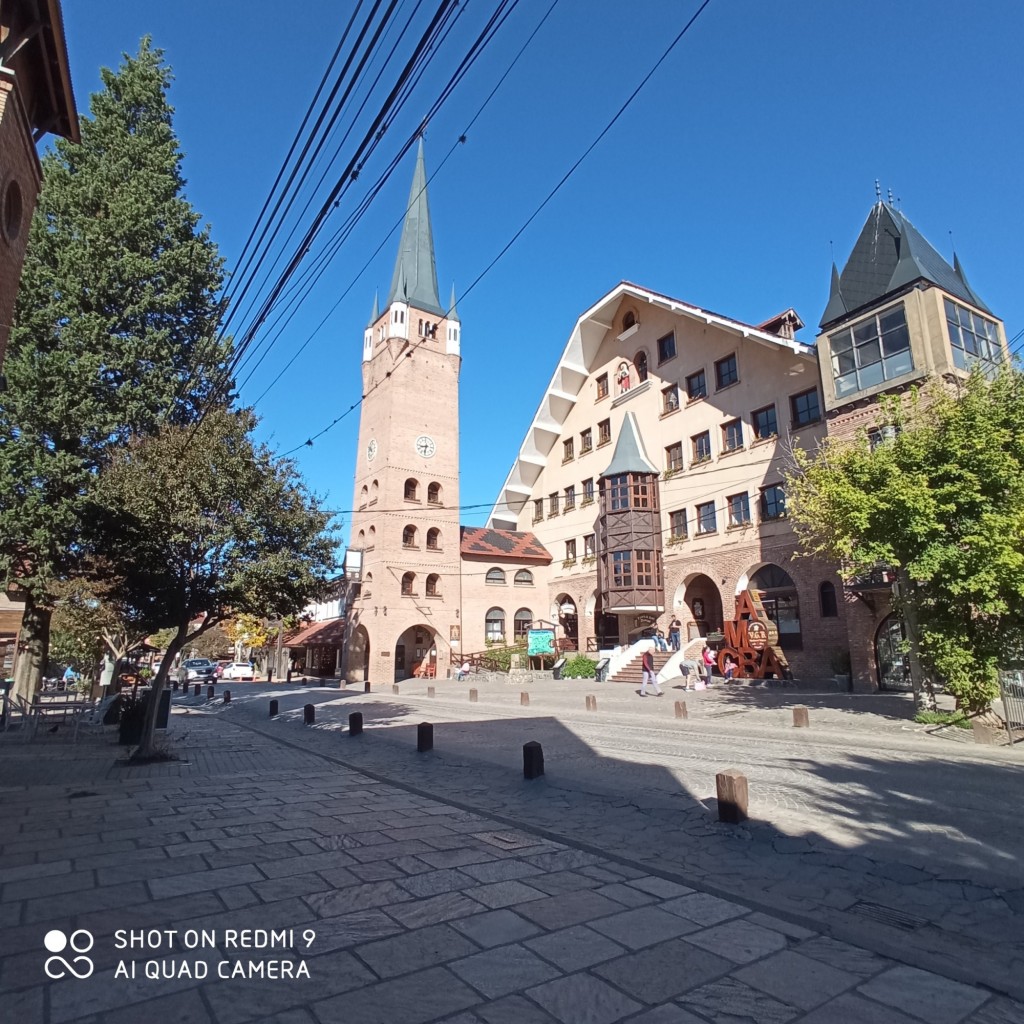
(371, 450)
(425, 446)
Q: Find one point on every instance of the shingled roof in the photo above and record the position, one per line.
(504, 545)
(330, 632)
(889, 255)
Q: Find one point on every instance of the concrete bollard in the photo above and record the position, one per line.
(591, 702)
(273, 708)
(732, 796)
(431, 691)
(366, 686)
(801, 719)
(394, 688)
(227, 696)
(424, 737)
(210, 691)
(355, 723)
(198, 687)
(533, 760)
(681, 711)
(473, 696)
(524, 698)
(309, 714)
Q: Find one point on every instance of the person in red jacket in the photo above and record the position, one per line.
(647, 668)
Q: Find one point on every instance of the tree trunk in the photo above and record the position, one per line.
(34, 647)
(147, 745)
(924, 693)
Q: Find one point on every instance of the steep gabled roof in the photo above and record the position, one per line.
(415, 277)
(889, 255)
(630, 455)
(502, 545)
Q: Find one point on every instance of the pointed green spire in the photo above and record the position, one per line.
(453, 313)
(415, 277)
(375, 315)
(630, 455)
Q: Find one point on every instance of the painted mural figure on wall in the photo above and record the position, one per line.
(750, 639)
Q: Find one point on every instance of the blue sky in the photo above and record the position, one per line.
(755, 146)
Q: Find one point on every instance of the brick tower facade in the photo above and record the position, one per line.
(406, 519)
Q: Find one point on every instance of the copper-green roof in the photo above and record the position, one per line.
(629, 456)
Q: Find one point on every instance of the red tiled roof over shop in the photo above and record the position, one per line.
(330, 632)
(503, 545)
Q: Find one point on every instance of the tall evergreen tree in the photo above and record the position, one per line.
(115, 331)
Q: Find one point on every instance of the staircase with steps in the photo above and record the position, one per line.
(632, 673)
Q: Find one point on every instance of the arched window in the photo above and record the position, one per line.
(433, 584)
(364, 495)
(364, 590)
(640, 362)
(521, 623)
(374, 488)
(524, 578)
(827, 601)
(409, 537)
(434, 494)
(434, 538)
(368, 578)
(362, 538)
(781, 604)
(407, 583)
(372, 535)
(421, 328)
(412, 490)
(494, 625)
(629, 320)
(495, 575)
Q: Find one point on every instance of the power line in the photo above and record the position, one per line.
(554, 191)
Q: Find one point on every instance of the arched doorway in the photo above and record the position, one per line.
(780, 601)
(704, 603)
(357, 669)
(416, 653)
(890, 660)
(567, 617)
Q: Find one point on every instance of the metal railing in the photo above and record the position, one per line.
(1011, 689)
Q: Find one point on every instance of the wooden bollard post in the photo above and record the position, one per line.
(533, 760)
(309, 714)
(394, 688)
(355, 723)
(198, 687)
(732, 796)
(273, 708)
(591, 702)
(227, 696)
(473, 696)
(801, 719)
(366, 686)
(524, 699)
(424, 737)
(681, 711)
(431, 691)
(210, 691)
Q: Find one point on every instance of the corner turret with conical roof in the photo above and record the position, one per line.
(898, 313)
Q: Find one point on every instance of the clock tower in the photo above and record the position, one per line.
(405, 620)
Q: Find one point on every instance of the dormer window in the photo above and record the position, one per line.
(974, 339)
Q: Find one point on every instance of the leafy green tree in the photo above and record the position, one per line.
(942, 502)
(114, 333)
(206, 526)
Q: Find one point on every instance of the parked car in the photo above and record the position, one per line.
(238, 670)
(194, 670)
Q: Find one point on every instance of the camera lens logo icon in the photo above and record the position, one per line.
(58, 966)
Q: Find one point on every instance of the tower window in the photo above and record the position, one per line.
(408, 580)
(973, 338)
(409, 537)
(433, 582)
(434, 494)
(622, 569)
(827, 601)
(412, 490)
(870, 352)
(434, 539)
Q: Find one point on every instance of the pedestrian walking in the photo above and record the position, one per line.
(709, 663)
(648, 674)
(674, 628)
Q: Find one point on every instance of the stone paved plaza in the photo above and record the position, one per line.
(878, 881)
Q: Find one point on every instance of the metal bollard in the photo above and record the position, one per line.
(309, 714)
(227, 696)
(355, 723)
(273, 708)
(533, 760)
(681, 711)
(424, 737)
(366, 686)
(174, 686)
(801, 718)
(198, 687)
(210, 690)
(732, 796)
